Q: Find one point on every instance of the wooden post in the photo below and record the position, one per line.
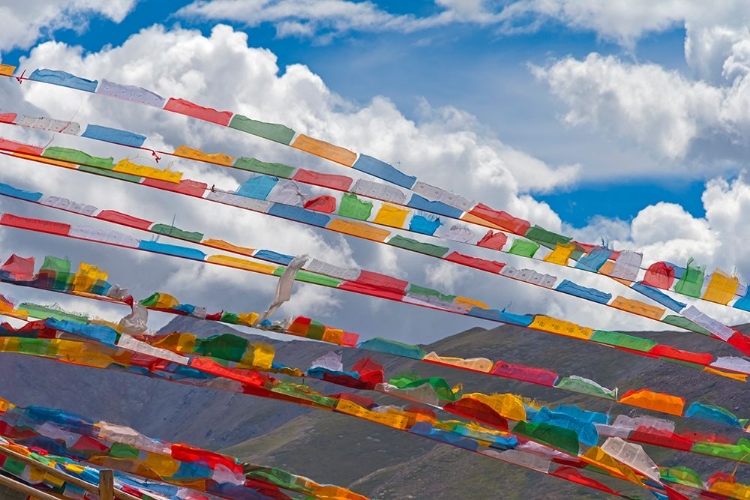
(106, 484)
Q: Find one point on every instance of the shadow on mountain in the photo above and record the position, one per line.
(374, 460)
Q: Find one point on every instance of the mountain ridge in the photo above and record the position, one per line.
(373, 460)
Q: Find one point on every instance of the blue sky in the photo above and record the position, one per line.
(610, 121)
(477, 70)
(603, 123)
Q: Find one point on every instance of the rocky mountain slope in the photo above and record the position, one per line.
(373, 460)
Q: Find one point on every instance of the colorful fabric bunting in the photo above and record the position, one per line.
(565, 287)
(124, 449)
(306, 327)
(535, 232)
(423, 225)
(379, 288)
(560, 442)
(546, 429)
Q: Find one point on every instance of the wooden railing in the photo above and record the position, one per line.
(105, 489)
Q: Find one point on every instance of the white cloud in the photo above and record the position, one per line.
(665, 231)
(467, 8)
(326, 18)
(621, 20)
(692, 124)
(600, 230)
(492, 164)
(643, 103)
(441, 143)
(445, 276)
(727, 205)
(300, 17)
(714, 32)
(707, 48)
(626, 21)
(666, 221)
(24, 22)
(697, 127)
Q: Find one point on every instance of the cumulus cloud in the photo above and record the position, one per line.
(300, 17)
(653, 107)
(24, 22)
(327, 18)
(714, 33)
(665, 231)
(688, 124)
(691, 124)
(442, 142)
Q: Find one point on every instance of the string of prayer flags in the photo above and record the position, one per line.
(545, 429)
(625, 272)
(523, 247)
(248, 354)
(461, 305)
(124, 449)
(561, 441)
(455, 205)
(530, 276)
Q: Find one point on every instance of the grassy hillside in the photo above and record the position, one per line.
(373, 460)
(388, 465)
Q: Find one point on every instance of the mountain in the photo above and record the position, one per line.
(389, 465)
(374, 460)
